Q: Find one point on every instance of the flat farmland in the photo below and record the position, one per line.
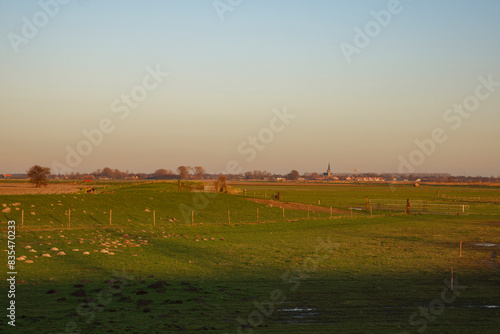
(143, 257)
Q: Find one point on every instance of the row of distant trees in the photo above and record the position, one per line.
(199, 173)
(182, 172)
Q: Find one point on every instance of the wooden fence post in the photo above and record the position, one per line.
(451, 279)
(69, 217)
(192, 218)
(22, 218)
(331, 212)
(283, 214)
(154, 217)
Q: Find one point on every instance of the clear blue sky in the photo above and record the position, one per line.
(227, 76)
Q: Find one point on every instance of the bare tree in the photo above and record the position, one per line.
(38, 175)
(198, 172)
(183, 172)
(293, 175)
(160, 173)
(221, 185)
(107, 172)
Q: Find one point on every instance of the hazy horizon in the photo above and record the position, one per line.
(260, 85)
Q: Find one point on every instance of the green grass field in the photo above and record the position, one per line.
(151, 270)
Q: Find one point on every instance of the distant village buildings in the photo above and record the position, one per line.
(328, 175)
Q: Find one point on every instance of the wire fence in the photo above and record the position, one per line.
(92, 216)
(414, 207)
(494, 200)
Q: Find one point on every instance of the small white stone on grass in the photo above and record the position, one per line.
(32, 251)
(85, 253)
(61, 253)
(28, 261)
(55, 249)
(27, 247)
(76, 250)
(46, 255)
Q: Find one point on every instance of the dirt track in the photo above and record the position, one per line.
(295, 206)
(27, 188)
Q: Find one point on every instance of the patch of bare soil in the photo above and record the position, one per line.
(295, 206)
(27, 188)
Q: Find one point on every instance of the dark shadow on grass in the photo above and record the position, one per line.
(134, 218)
(332, 303)
(54, 218)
